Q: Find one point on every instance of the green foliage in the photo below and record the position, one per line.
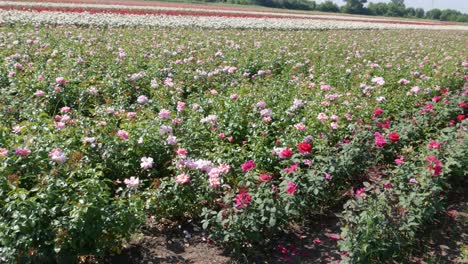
(328, 6)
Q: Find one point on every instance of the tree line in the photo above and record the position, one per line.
(395, 8)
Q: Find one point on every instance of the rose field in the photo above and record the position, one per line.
(229, 136)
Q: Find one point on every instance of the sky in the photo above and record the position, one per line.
(460, 5)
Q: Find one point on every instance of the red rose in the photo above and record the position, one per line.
(243, 200)
(461, 117)
(248, 166)
(463, 105)
(394, 137)
(304, 147)
(264, 178)
(286, 153)
(436, 98)
(378, 112)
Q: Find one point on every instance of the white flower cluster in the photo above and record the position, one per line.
(117, 20)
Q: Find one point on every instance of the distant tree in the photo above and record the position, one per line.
(313, 5)
(399, 3)
(354, 6)
(434, 14)
(328, 6)
(450, 15)
(410, 12)
(420, 12)
(396, 8)
(462, 18)
(377, 9)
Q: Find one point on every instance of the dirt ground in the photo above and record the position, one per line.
(444, 241)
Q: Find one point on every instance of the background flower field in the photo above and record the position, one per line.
(247, 132)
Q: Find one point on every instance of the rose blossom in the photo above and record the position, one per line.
(286, 153)
(3, 152)
(399, 161)
(58, 156)
(360, 191)
(264, 178)
(181, 152)
(291, 188)
(378, 112)
(146, 163)
(322, 117)
(39, 93)
(300, 127)
(248, 166)
(304, 147)
(214, 182)
(434, 145)
(183, 178)
(243, 200)
(132, 183)
(164, 114)
(180, 106)
(291, 169)
(379, 140)
(394, 137)
(142, 99)
(22, 152)
(122, 134)
(171, 140)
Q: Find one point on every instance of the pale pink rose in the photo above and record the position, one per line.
(65, 109)
(16, 129)
(39, 93)
(131, 115)
(171, 140)
(378, 80)
(325, 87)
(183, 178)
(214, 182)
(214, 173)
(176, 121)
(3, 152)
(132, 183)
(180, 106)
(322, 117)
(58, 156)
(122, 134)
(88, 140)
(266, 119)
(164, 114)
(60, 80)
(146, 163)
(181, 152)
(142, 99)
(60, 125)
(300, 127)
(224, 168)
(334, 125)
(348, 116)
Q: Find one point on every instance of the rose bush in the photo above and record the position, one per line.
(100, 127)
